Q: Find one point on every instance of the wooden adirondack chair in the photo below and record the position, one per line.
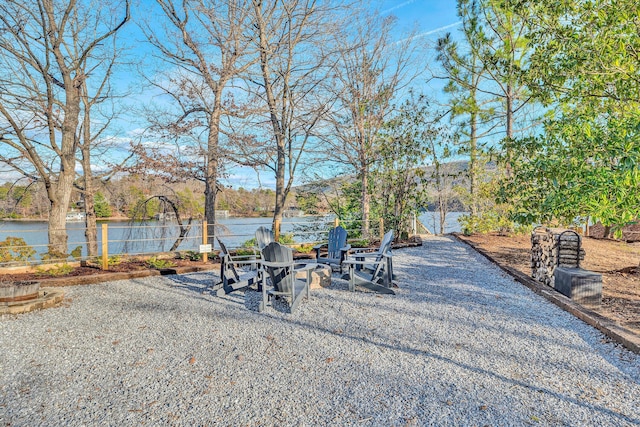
(337, 248)
(230, 279)
(264, 236)
(373, 270)
(277, 262)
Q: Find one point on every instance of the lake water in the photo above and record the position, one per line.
(154, 236)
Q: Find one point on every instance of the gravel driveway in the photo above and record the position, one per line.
(460, 344)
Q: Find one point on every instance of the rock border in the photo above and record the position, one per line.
(47, 298)
(617, 333)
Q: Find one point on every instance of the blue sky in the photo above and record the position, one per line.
(430, 18)
(429, 15)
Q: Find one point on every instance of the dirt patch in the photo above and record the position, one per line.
(96, 274)
(616, 261)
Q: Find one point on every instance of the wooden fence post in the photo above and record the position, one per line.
(276, 232)
(336, 222)
(105, 247)
(205, 238)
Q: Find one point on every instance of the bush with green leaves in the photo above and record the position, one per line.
(15, 249)
(57, 271)
(159, 264)
(101, 206)
(191, 255)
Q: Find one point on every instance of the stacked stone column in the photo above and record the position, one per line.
(551, 248)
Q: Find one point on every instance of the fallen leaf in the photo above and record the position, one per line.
(192, 360)
(116, 342)
(483, 407)
(329, 359)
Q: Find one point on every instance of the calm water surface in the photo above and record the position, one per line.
(155, 236)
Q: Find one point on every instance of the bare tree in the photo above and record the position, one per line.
(44, 48)
(295, 62)
(206, 44)
(371, 72)
(92, 133)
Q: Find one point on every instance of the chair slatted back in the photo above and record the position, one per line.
(385, 248)
(227, 268)
(264, 236)
(337, 241)
(281, 277)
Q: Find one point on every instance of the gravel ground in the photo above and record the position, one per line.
(460, 344)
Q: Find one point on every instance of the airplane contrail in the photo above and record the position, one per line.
(427, 33)
(398, 6)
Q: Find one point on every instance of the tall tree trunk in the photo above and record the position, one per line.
(60, 202)
(91, 228)
(366, 203)
(211, 180)
(509, 127)
(278, 130)
(473, 164)
(280, 186)
(58, 222)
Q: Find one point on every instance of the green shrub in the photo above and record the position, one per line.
(251, 243)
(245, 252)
(360, 243)
(53, 255)
(61, 270)
(159, 264)
(286, 239)
(304, 249)
(77, 252)
(191, 255)
(14, 249)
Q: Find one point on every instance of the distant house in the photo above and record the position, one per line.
(75, 216)
(292, 212)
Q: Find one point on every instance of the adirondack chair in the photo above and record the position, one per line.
(232, 280)
(337, 248)
(277, 262)
(373, 270)
(264, 236)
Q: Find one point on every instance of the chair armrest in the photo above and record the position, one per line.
(305, 267)
(359, 262)
(247, 261)
(364, 255)
(318, 246)
(276, 264)
(360, 250)
(346, 248)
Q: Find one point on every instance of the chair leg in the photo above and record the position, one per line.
(352, 278)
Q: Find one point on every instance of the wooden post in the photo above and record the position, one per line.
(381, 229)
(276, 232)
(336, 222)
(105, 247)
(205, 238)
